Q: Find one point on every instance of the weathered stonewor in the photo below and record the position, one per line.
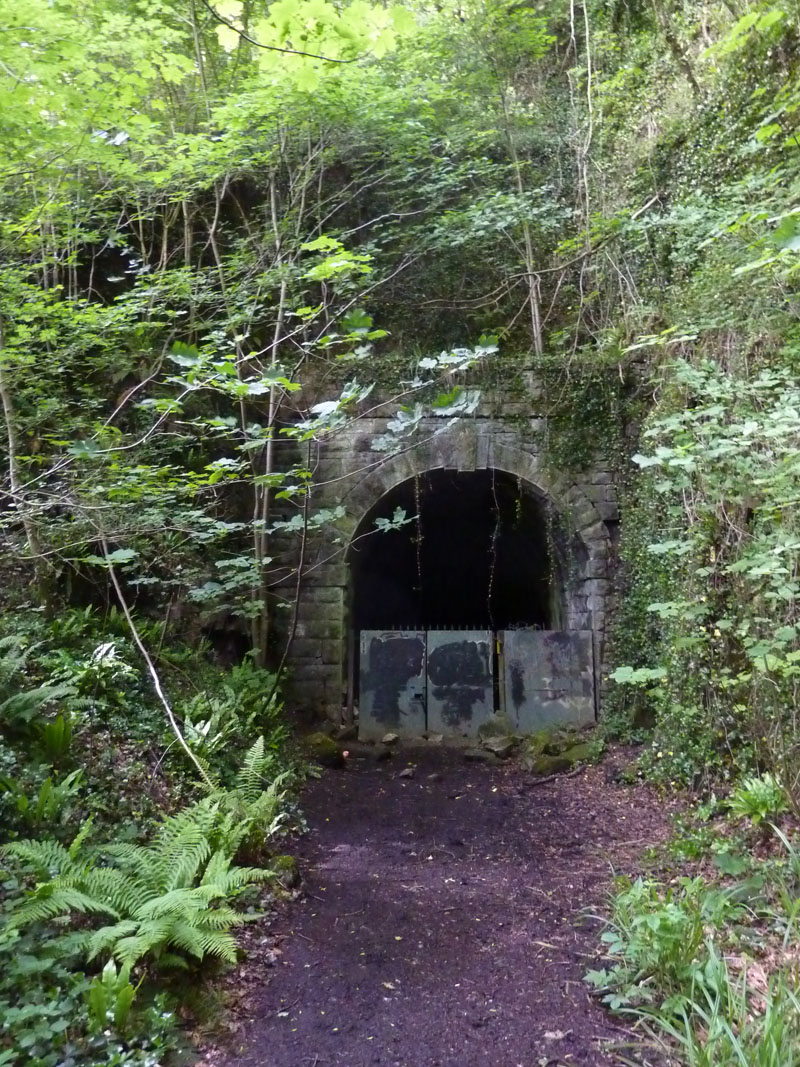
(350, 474)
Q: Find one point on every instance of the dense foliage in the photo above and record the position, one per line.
(225, 230)
(112, 850)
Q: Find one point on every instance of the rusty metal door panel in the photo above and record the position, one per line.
(460, 681)
(548, 678)
(392, 691)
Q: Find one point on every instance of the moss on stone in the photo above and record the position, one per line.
(581, 753)
(535, 743)
(323, 749)
(552, 741)
(285, 870)
(498, 725)
(544, 765)
(560, 740)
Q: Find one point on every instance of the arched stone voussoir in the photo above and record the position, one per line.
(578, 513)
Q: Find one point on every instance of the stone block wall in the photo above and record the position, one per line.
(349, 474)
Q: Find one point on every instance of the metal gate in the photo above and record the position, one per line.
(392, 696)
(548, 678)
(443, 681)
(412, 682)
(460, 681)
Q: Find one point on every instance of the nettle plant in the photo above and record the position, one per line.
(725, 463)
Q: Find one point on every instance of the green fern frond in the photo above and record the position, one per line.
(227, 880)
(70, 943)
(125, 893)
(13, 657)
(186, 936)
(45, 857)
(182, 901)
(128, 950)
(234, 827)
(204, 942)
(221, 918)
(250, 778)
(22, 707)
(216, 868)
(182, 846)
(221, 945)
(187, 860)
(238, 877)
(128, 855)
(49, 902)
(173, 960)
(104, 939)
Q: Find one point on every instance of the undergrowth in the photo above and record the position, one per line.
(706, 963)
(121, 875)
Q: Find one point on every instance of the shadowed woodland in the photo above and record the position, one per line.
(231, 230)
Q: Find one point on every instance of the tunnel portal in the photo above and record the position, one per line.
(476, 550)
(457, 608)
(494, 542)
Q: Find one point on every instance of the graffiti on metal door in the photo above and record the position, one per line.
(392, 683)
(443, 681)
(460, 681)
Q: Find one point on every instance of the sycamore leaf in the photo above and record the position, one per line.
(787, 235)
(397, 520)
(323, 243)
(83, 449)
(646, 461)
(634, 676)
(119, 555)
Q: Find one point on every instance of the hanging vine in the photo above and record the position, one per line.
(493, 553)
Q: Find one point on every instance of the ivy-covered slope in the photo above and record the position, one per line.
(706, 641)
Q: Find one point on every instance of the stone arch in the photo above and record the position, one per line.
(358, 479)
(580, 515)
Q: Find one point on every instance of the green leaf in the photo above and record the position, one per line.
(119, 555)
(637, 676)
(729, 863)
(787, 235)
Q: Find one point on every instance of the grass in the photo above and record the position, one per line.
(708, 962)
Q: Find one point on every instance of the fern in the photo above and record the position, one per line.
(21, 705)
(250, 814)
(169, 900)
(20, 708)
(54, 899)
(46, 858)
(252, 774)
(105, 939)
(124, 892)
(169, 895)
(13, 657)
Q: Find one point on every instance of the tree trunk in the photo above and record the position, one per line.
(42, 571)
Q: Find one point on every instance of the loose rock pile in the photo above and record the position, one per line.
(549, 751)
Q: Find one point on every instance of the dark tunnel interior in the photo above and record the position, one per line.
(474, 555)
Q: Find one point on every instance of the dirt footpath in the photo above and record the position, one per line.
(441, 922)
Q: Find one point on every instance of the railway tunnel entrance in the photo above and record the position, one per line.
(458, 609)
